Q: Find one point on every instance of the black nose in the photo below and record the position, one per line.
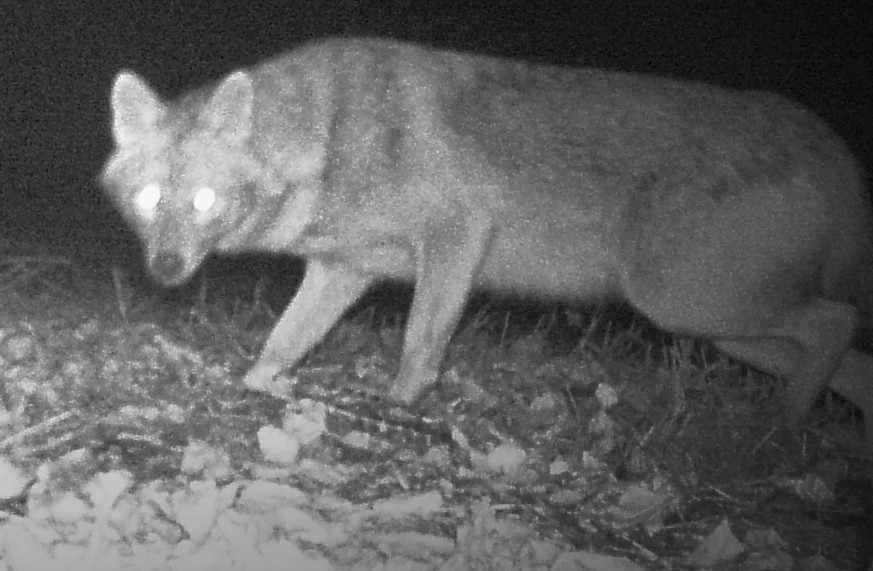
(168, 267)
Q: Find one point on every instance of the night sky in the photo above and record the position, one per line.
(58, 59)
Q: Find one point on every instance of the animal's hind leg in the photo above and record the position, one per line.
(806, 345)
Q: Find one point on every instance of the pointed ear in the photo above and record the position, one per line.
(136, 109)
(229, 113)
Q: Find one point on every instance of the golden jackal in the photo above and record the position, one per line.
(737, 217)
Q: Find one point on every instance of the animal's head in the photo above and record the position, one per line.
(183, 173)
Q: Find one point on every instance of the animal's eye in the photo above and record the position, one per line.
(148, 198)
(204, 199)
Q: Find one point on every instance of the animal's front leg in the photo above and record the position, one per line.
(448, 260)
(325, 294)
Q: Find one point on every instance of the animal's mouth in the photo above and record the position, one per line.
(172, 268)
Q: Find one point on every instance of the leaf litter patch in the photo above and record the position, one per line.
(128, 443)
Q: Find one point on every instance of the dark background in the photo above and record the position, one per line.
(58, 58)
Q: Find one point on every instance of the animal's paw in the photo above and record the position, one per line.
(408, 388)
(265, 378)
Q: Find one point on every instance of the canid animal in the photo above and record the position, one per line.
(737, 217)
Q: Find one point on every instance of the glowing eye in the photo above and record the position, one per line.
(204, 199)
(148, 197)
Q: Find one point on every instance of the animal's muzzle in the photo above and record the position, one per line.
(168, 268)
